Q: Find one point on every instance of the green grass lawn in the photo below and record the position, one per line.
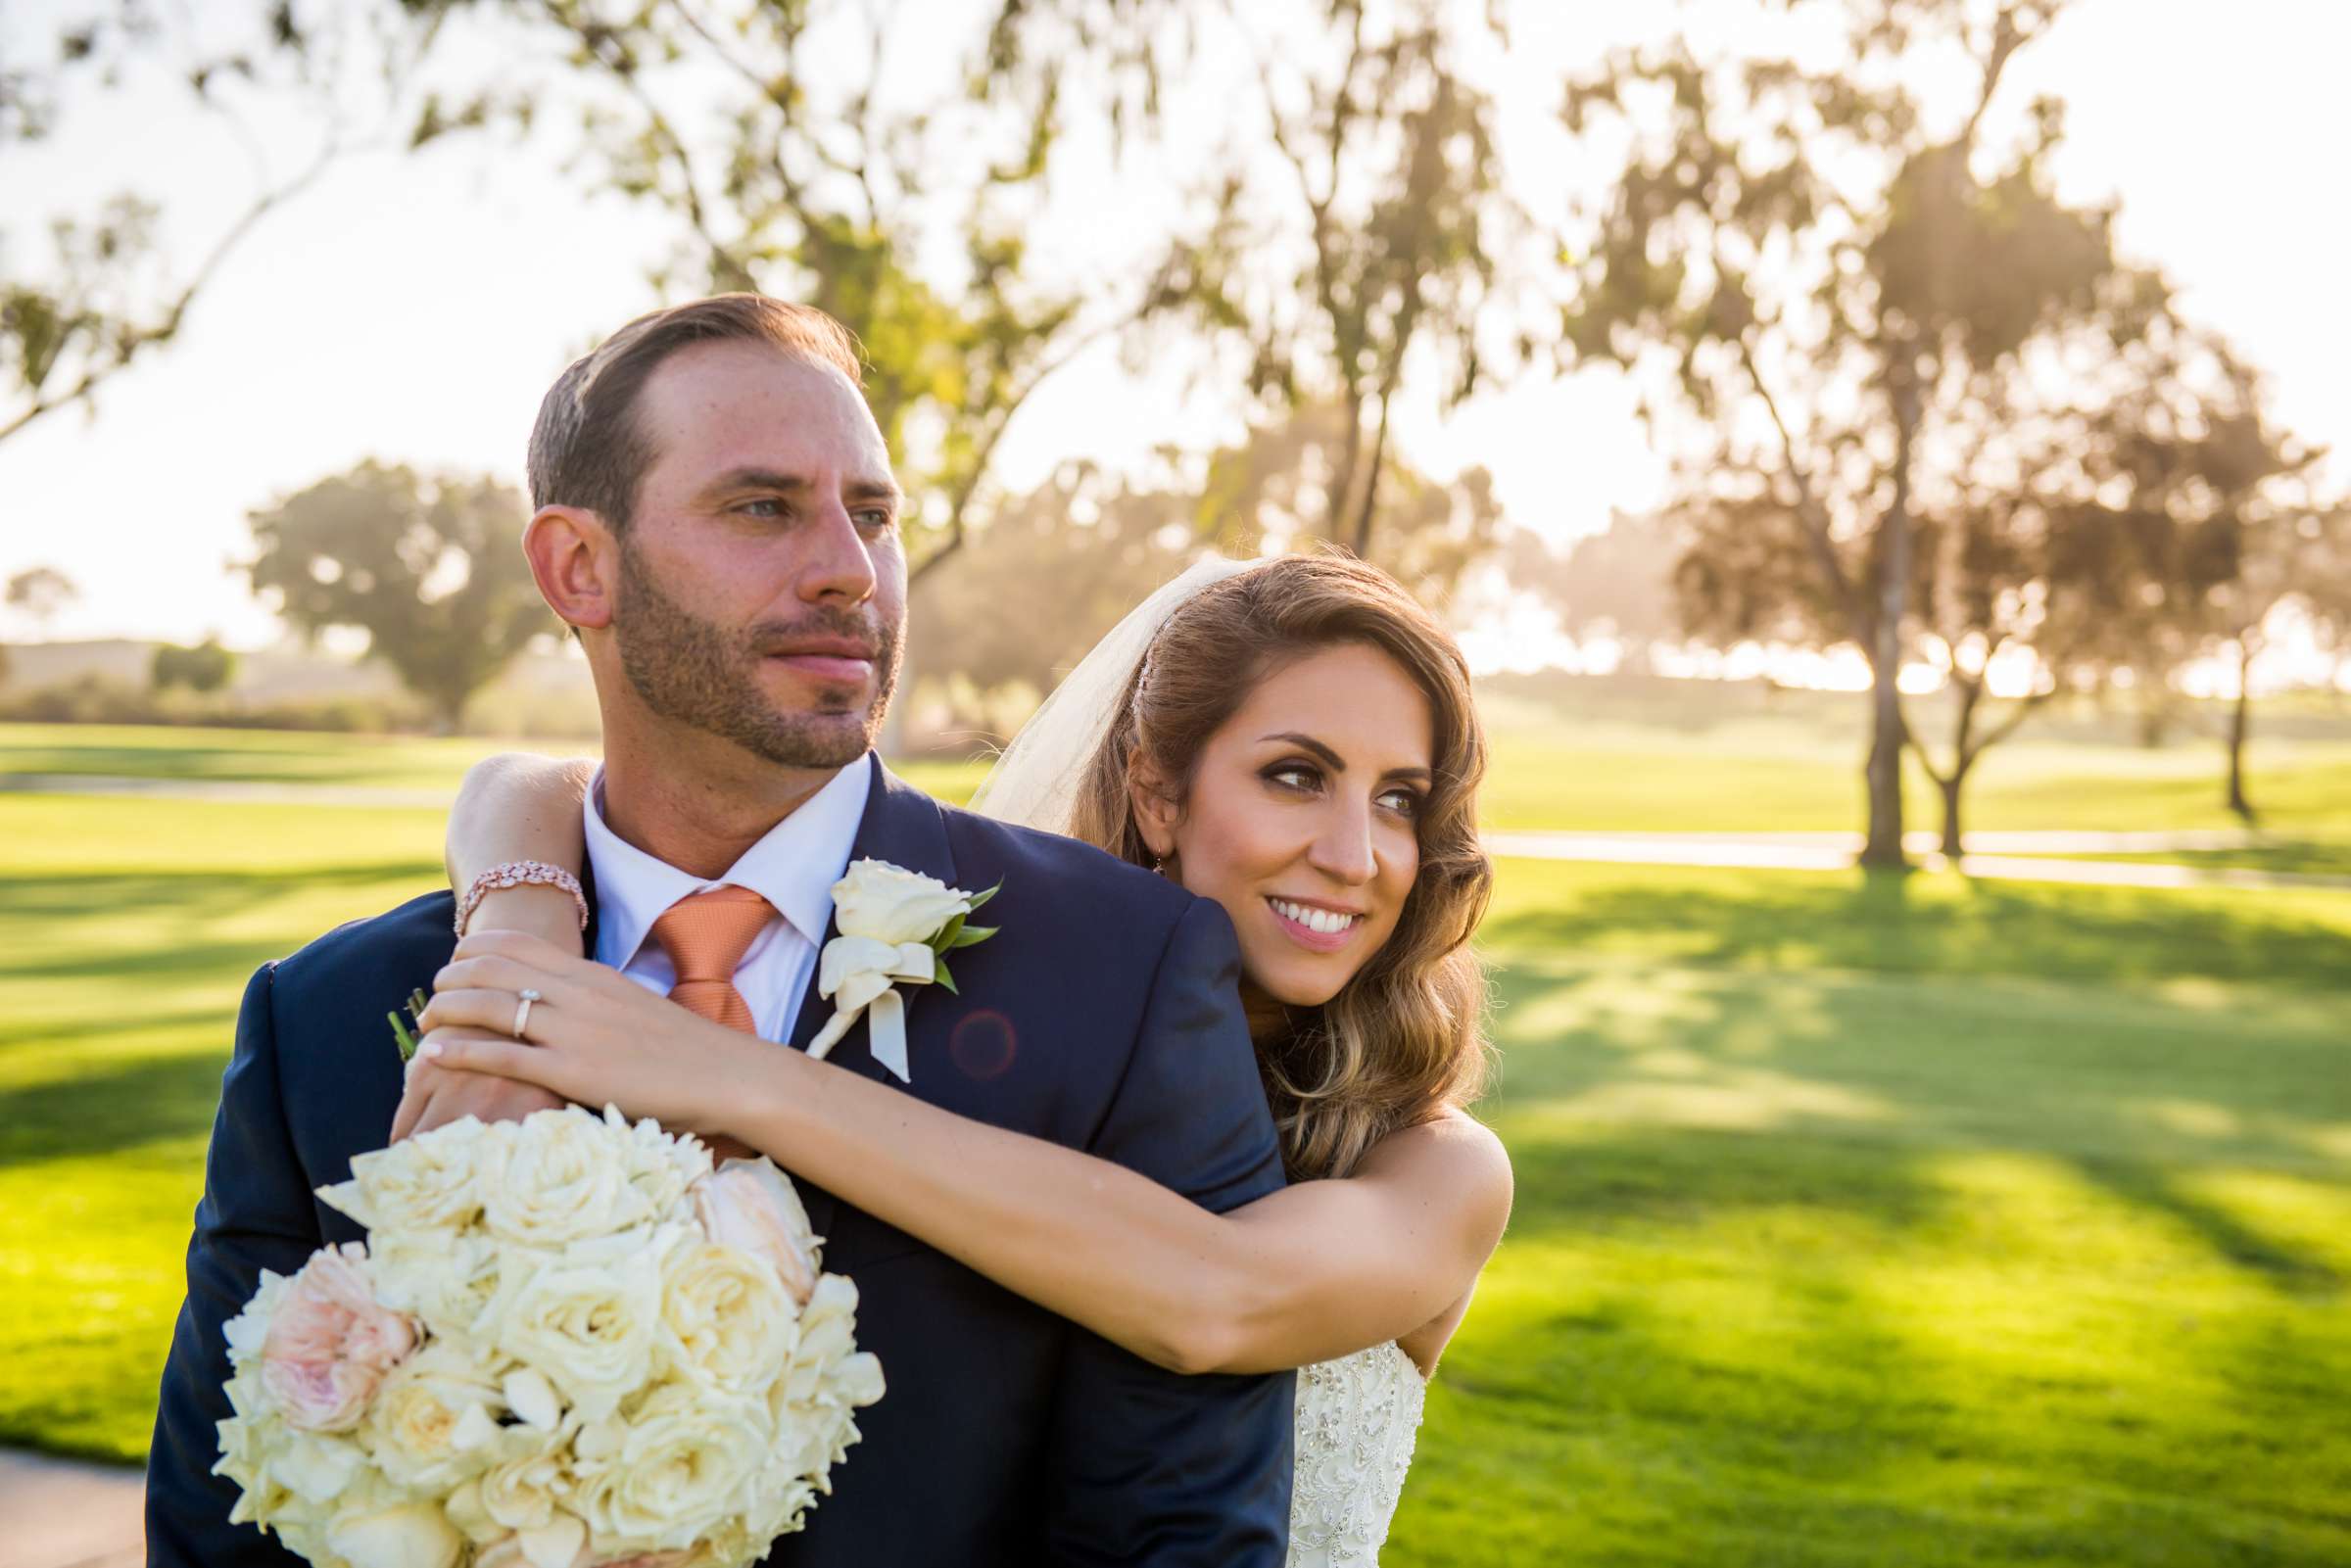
(1903, 1222)
(1907, 1224)
(1783, 778)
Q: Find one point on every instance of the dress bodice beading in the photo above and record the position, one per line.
(1357, 1419)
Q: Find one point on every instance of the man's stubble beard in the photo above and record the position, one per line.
(692, 673)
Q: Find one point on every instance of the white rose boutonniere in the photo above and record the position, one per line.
(895, 925)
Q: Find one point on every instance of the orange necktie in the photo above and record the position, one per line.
(705, 935)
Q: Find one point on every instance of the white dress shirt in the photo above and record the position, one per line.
(794, 867)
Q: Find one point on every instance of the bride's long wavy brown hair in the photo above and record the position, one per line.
(1405, 1038)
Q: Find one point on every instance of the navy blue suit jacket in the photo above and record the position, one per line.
(1104, 1015)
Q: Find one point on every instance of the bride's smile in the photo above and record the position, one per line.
(1302, 818)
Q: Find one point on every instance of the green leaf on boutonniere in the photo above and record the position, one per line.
(940, 976)
(404, 1036)
(957, 933)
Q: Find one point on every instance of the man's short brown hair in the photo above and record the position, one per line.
(587, 450)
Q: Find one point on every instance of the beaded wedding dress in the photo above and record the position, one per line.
(1357, 1419)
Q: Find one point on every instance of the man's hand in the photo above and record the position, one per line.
(437, 1096)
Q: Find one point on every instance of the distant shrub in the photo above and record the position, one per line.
(94, 698)
(205, 668)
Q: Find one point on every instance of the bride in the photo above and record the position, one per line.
(1294, 738)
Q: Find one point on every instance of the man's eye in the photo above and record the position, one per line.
(873, 519)
(762, 506)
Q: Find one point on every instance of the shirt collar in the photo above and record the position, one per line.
(793, 867)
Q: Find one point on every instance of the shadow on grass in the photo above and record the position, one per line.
(19, 1031)
(190, 903)
(1896, 923)
(1669, 1098)
(112, 1108)
(2155, 1188)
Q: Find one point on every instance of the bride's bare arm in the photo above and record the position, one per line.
(1316, 1270)
(520, 806)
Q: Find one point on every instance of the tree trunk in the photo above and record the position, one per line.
(1882, 845)
(2240, 720)
(1342, 483)
(1363, 520)
(1953, 847)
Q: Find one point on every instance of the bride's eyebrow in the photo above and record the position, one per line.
(1307, 742)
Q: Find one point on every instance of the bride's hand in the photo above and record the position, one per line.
(593, 1037)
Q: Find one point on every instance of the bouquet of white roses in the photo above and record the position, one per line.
(569, 1340)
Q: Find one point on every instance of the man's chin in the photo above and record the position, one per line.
(818, 741)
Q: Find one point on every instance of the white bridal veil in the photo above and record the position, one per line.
(1035, 783)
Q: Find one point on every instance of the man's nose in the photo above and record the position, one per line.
(838, 564)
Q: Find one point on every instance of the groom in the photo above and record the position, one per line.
(716, 517)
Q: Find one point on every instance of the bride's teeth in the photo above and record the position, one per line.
(1327, 923)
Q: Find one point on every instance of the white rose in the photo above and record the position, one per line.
(421, 1183)
(686, 1461)
(434, 1419)
(247, 1331)
(558, 1176)
(316, 1467)
(396, 1534)
(445, 1277)
(525, 1494)
(751, 1205)
(725, 1318)
(891, 904)
(590, 1328)
(561, 1542)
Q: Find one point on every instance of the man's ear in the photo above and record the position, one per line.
(576, 561)
(1156, 810)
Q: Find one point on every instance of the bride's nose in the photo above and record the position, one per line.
(1342, 849)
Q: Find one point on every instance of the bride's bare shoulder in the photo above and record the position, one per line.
(1452, 1153)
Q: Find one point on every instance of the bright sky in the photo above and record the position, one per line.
(415, 308)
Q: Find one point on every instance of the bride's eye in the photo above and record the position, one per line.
(1403, 802)
(1294, 776)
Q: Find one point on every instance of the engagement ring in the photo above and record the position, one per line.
(522, 1012)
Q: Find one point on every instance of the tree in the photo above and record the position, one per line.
(1074, 554)
(1813, 277)
(428, 567)
(771, 134)
(2018, 558)
(1085, 548)
(205, 668)
(1379, 243)
(2235, 529)
(41, 592)
(107, 294)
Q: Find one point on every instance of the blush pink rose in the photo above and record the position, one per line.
(751, 1205)
(330, 1343)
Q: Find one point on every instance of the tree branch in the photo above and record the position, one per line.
(126, 350)
(1810, 513)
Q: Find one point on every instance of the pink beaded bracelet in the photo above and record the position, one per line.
(517, 873)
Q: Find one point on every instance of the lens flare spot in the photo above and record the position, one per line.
(983, 1044)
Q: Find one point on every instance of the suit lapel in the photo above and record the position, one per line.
(903, 826)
